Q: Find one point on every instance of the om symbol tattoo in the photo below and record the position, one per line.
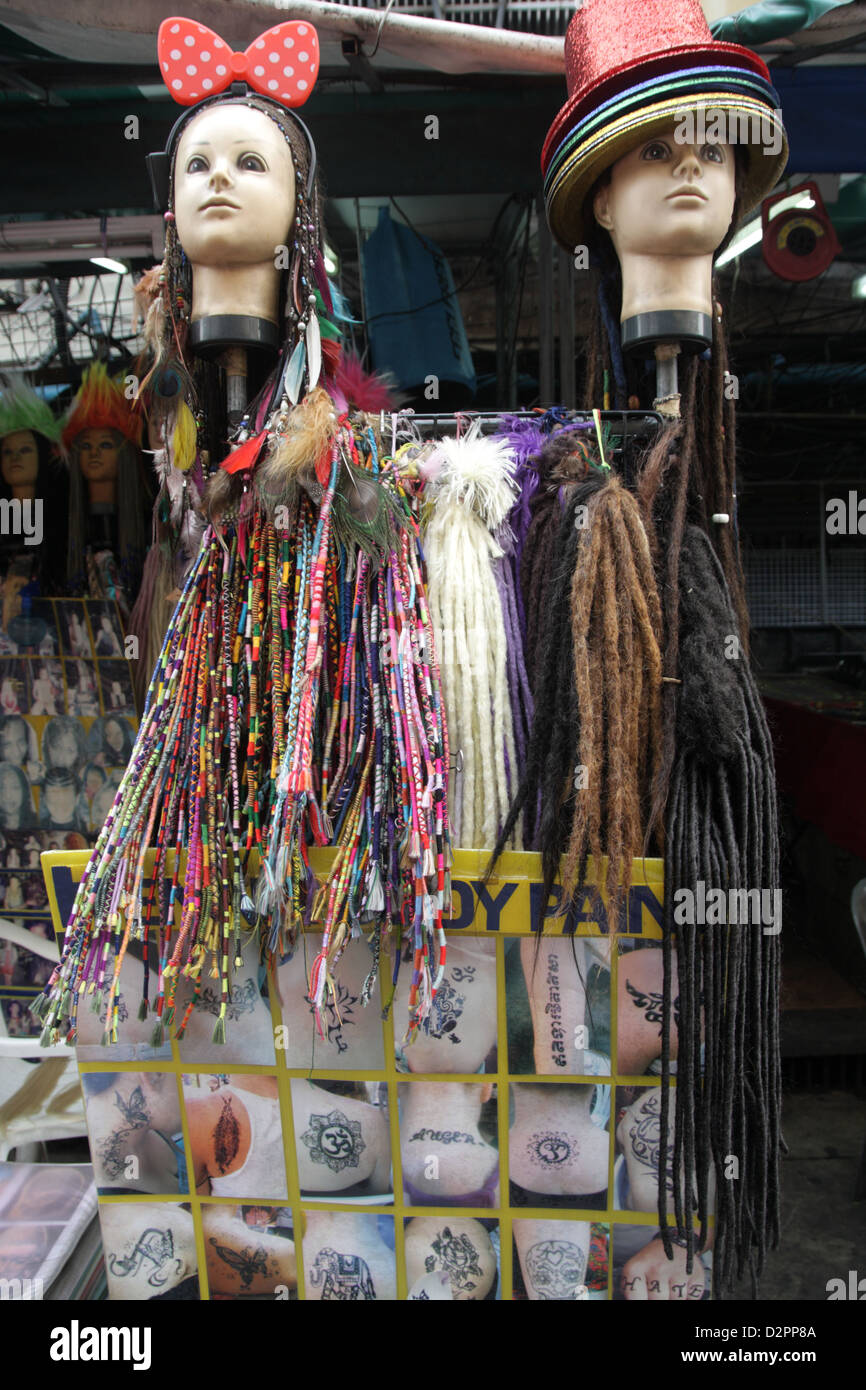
(552, 1147)
(334, 1140)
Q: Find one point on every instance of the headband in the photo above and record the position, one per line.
(198, 67)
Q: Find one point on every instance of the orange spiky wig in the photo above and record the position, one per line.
(101, 405)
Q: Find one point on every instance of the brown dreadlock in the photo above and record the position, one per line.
(615, 630)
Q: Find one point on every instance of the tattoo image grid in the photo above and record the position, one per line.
(330, 1143)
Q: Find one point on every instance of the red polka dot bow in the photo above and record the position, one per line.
(282, 63)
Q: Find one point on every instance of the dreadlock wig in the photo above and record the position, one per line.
(721, 829)
(477, 633)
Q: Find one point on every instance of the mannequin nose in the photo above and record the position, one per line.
(688, 164)
(220, 175)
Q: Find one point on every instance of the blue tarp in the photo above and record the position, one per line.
(414, 325)
(825, 117)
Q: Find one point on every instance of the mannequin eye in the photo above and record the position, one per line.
(196, 165)
(253, 163)
(713, 154)
(657, 149)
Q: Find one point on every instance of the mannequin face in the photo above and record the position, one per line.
(234, 186)
(19, 458)
(97, 455)
(668, 199)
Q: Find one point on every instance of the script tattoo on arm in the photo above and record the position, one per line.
(555, 1268)
(651, 1005)
(247, 1262)
(457, 1256)
(334, 1140)
(552, 1147)
(553, 1009)
(153, 1253)
(444, 1136)
(226, 1136)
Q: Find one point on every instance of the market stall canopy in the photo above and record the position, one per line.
(409, 33)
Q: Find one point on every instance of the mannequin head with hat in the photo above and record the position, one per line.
(667, 207)
(632, 154)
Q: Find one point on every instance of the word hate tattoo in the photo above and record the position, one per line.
(344, 1278)
(226, 1136)
(247, 1262)
(154, 1248)
(444, 1136)
(555, 1269)
(552, 1147)
(457, 1256)
(334, 1140)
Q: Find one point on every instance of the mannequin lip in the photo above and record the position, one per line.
(688, 192)
(219, 203)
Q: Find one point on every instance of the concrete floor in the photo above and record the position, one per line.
(823, 1228)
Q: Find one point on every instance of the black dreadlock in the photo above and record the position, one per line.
(721, 830)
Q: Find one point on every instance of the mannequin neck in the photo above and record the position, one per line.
(25, 492)
(251, 290)
(102, 493)
(657, 284)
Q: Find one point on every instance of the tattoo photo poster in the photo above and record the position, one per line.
(509, 1151)
(67, 726)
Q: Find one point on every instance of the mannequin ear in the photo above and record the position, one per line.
(601, 208)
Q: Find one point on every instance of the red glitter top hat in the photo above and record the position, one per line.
(631, 66)
(611, 44)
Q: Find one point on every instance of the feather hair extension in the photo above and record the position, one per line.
(310, 430)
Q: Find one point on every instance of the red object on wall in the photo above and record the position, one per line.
(821, 768)
(800, 243)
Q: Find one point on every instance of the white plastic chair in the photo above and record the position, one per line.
(27, 1131)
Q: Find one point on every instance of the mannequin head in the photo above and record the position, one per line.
(234, 182)
(105, 473)
(667, 208)
(98, 458)
(238, 186)
(19, 462)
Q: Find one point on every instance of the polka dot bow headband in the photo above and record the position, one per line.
(282, 63)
